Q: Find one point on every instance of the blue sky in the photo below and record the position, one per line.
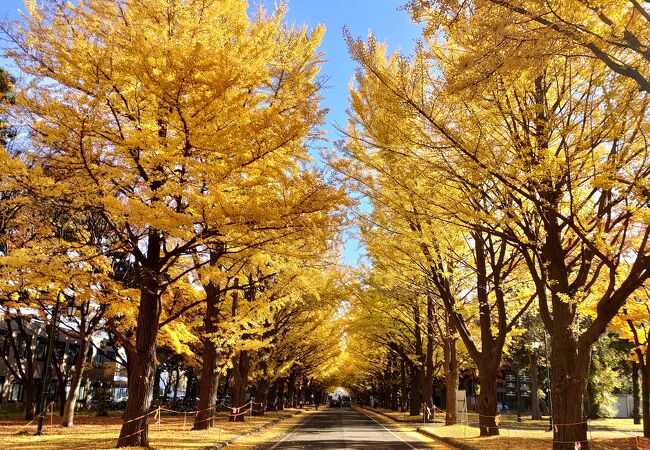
(382, 17)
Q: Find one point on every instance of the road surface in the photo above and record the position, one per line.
(345, 428)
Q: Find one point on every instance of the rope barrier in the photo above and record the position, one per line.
(132, 434)
(141, 417)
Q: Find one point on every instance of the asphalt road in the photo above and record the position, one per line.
(345, 428)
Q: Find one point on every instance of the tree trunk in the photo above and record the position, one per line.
(240, 376)
(142, 356)
(291, 390)
(280, 395)
(168, 385)
(61, 382)
(190, 392)
(635, 393)
(569, 386)
(272, 397)
(645, 392)
(536, 413)
(487, 399)
(28, 403)
(451, 380)
(157, 392)
(417, 375)
(226, 383)
(416, 396)
(304, 386)
(209, 375)
(428, 372)
(261, 394)
(75, 383)
(207, 399)
(403, 383)
(394, 393)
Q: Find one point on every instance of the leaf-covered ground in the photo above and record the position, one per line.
(610, 434)
(173, 432)
(529, 439)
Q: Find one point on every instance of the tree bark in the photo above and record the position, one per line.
(403, 384)
(451, 380)
(280, 395)
(291, 389)
(261, 394)
(177, 380)
(28, 392)
(190, 392)
(142, 356)
(272, 397)
(57, 362)
(428, 372)
(570, 365)
(645, 390)
(536, 413)
(487, 399)
(645, 399)
(157, 392)
(207, 398)
(75, 383)
(394, 385)
(636, 393)
(209, 375)
(240, 376)
(416, 396)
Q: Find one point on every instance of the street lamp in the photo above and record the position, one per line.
(48, 358)
(72, 308)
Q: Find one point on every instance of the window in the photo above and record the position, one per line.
(21, 346)
(2, 385)
(89, 354)
(41, 349)
(15, 392)
(81, 396)
(102, 358)
(73, 353)
(120, 393)
(52, 391)
(60, 350)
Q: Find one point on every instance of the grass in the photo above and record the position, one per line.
(173, 432)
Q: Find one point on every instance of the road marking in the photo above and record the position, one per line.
(293, 431)
(384, 427)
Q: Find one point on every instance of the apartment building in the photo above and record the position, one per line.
(24, 345)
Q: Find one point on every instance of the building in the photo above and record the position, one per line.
(102, 370)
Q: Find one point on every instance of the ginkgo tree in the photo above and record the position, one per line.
(434, 218)
(552, 164)
(633, 324)
(180, 123)
(510, 36)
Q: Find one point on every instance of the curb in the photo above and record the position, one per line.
(448, 441)
(257, 429)
(394, 419)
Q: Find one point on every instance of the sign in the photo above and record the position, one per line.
(461, 402)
